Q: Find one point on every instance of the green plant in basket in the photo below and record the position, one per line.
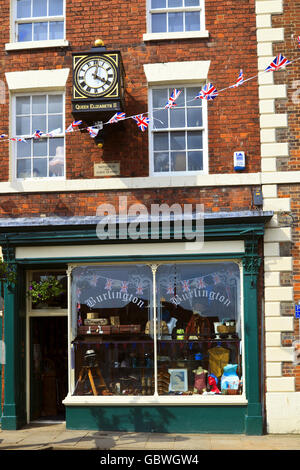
(45, 289)
(7, 273)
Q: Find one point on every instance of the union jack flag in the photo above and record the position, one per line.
(170, 289)
(171, 101)
(37, 134)
(79, 321)
(200, 283)
(208, 92)
(142, 121)
(17, 139)
(2, 136)
(185, 286)
(298, 39)
(117, 117)
(139, 289)
(279, 62)
(239, 81)
(216, 279)
(93, 131)
(124, 286)
(108, 284)
(53, 133)
(73, 126)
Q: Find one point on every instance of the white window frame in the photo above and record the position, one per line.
(203, 128)
(202, 32)
(15, 44)
(14, 144)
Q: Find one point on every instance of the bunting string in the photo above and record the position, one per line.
(208, 92)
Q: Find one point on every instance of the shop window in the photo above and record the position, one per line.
(193, 348)
(39, 20)
(39, 157)
(178, 135)
(175, 16)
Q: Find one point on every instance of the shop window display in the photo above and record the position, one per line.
(193, 348)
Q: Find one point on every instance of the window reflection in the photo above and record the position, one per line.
(197, 334)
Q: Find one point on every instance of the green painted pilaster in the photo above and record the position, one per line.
(12, 410)
(251, 263)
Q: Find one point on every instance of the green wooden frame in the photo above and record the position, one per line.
(220, 418)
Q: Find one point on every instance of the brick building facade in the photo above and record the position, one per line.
(46, 220)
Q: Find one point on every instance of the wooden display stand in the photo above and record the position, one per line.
(87, 373)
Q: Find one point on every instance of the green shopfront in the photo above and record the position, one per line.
(143, 336)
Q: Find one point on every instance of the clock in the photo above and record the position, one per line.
(96, 76)
(98, 84)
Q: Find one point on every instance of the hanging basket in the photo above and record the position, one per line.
(45, 290)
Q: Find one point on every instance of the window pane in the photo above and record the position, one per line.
(56, 7)
(23, 125)
(177, 141)
(159, 23)
(56, 164)
(178, 161)
(23, 149)
(192, 3)
(192, 21)
(175, 21)
(23, 9)
(174, 3)
(54, 122)
(24, 168)
(39, 169)
(160, 119)
(194, 140)
(194, 300)
(159, 98)
(55, 104)
(56, 30)
(161, 161)
(194, 117)
(22, 105)
(56, 167)
(39, 8)
(177, 117)
(56, 147)
(39, 123)
(195, 161)
(161, 141)
(158, 3)
(25, 32)
(39, 104)
(40, 148)
(40, 31)
(191, 93)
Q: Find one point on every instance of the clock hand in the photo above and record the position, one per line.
(95, 75)
(100, 78)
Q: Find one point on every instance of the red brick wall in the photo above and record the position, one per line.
(86, 203)
(233, 116)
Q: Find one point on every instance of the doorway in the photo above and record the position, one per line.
(48, 367)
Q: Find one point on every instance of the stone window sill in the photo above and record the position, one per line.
(16, 46)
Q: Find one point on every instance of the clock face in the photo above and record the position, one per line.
(96, 76)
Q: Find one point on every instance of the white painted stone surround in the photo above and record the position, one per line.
(282, 402)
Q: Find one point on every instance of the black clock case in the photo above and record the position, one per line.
(91, 110)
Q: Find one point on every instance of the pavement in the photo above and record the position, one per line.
(48, 436)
